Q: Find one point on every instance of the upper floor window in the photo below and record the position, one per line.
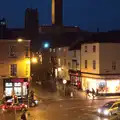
(54, 50)
(74, 64)
(74, 53)
(13, 68)
(85, 48)
(69, 64)
(113, 65)
(94, 64)
(12, 51)
(85, 63)
(65, 61)
(94, 48)
(50, 49)
(59, 62)
(26, 51)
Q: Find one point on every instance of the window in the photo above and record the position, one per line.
(54, 50)
(12, 51)
(69, 64)
(64, 61)
(50, 49)
(59, 62)
(94, 64)
(26, 51)
(85, 63)
(113, 65)
(74, 64)
(94, 48)
(13, 70)
(74, 53)
(85, 48)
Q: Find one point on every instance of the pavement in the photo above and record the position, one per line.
(42, 94)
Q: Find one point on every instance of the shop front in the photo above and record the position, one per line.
(103, 85)
(75, 78)
(16, 86)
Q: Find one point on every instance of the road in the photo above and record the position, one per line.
(67, 110)
(62, 110)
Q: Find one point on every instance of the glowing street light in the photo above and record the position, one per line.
(64, 82)
(46, 45)
(19, 40)
(34, 60)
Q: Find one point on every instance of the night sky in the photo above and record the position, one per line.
(88, 14)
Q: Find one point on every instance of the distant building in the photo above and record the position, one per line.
(100, 62)
(31, 23)
(14, 67)
(57, 12)
(3, 28)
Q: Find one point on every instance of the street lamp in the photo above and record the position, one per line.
(64, 83)
(19, 40)
(34, 60)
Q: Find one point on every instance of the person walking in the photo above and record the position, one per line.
(23, 116)
(93, 93)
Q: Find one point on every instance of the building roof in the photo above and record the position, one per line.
(103, 37)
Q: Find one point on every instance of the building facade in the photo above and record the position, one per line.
(14, 67)
(100, 67)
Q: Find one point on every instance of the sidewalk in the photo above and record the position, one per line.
(42, 95)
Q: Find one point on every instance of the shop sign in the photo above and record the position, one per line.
(17, 80)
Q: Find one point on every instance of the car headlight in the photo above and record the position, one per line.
(99, 110)
(106, 112)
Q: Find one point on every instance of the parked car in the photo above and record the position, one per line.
(10, 106)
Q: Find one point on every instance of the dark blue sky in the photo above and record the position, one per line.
(88, 14)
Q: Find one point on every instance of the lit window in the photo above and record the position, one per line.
(13, 70)
(12, 51)
(85, 63)
(85, 48)
(94, 64)
(59, 49)
(113, 65)
(94, 48)
(50, 49)
(59, 62)
(53, 50)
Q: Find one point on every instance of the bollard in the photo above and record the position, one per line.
(71, 94)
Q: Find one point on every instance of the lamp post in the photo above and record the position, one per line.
(64, 83)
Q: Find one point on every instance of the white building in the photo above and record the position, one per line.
(100, 66)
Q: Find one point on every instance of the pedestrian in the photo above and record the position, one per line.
(87, 92)
(93, 93)
(23, 116)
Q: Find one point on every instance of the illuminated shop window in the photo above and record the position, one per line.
(8, 91)
(17, 84)
(8, 84)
